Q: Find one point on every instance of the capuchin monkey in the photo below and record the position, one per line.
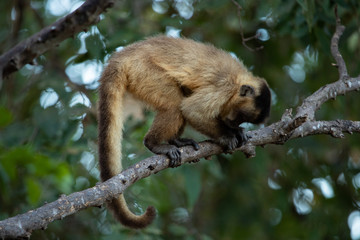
(185, 82)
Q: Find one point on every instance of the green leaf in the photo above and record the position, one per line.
(34, 190)
(42, 165)
(177, 230)
(353, 41)
(192, 185)
(49, 121)
(308, 7)
(14, 158)
(95, 46)
(16, 134)
(6, 117)
(64, 179)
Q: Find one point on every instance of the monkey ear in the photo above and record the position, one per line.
(247, 91)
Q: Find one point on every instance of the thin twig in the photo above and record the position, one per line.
(340, 63)
(243, 39)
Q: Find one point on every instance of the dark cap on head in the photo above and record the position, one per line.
(262, 103)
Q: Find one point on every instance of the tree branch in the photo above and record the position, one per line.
(22, 225)
(334, 128)
(330, 91)
(26, 51)
(301, 125)
(340, 63)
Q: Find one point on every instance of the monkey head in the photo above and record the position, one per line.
(251, 103)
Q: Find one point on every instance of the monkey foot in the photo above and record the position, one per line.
(174, 155)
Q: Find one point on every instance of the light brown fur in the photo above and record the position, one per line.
(185, 82)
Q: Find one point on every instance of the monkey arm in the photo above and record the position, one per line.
(168, 125)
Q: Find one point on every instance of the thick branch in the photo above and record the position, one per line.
(274, 134)
(330, 91)
(26, 51)
(22, 225)
(335, 128)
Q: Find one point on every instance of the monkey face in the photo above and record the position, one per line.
(248, 106)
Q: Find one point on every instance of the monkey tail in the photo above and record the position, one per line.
(111, 93)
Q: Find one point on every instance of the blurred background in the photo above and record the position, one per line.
(305, 189)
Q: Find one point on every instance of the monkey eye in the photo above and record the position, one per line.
(247, 91)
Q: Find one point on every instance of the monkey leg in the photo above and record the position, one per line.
(167, 126)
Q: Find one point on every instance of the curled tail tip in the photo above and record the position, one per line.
(142, 221)
(151, 212)
(147, 218)
(150, 215)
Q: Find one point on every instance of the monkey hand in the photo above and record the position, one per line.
(233, 139)
(241, 136)
(228, 142)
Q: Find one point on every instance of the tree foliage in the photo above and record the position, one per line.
(305, 189)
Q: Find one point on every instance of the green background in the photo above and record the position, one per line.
(49, 151)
